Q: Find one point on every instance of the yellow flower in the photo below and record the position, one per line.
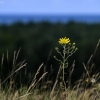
(87, 80)
(64, 40)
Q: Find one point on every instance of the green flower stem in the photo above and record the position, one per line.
(64, 54)
(63, 66)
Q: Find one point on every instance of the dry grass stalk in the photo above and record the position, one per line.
(35, 81)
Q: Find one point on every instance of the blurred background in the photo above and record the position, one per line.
(35, 26)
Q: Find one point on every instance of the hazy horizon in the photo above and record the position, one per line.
(12, 18)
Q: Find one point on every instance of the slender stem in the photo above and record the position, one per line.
(64, 54)
(64, 60)
(63, 71)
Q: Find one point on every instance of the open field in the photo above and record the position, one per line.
(40, 88)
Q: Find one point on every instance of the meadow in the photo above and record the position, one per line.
(86, 88)
(51, 69)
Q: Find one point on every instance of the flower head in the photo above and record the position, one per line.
(93, 80)
(64, 40)
(87, 80)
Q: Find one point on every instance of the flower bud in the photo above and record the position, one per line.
(73, 43)
(69, 44)
(76, 49)
(54, 56)
(56, 48)
(73, 47)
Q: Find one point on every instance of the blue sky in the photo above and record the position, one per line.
(49, 6)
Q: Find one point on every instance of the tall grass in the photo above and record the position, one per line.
(86, 88)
